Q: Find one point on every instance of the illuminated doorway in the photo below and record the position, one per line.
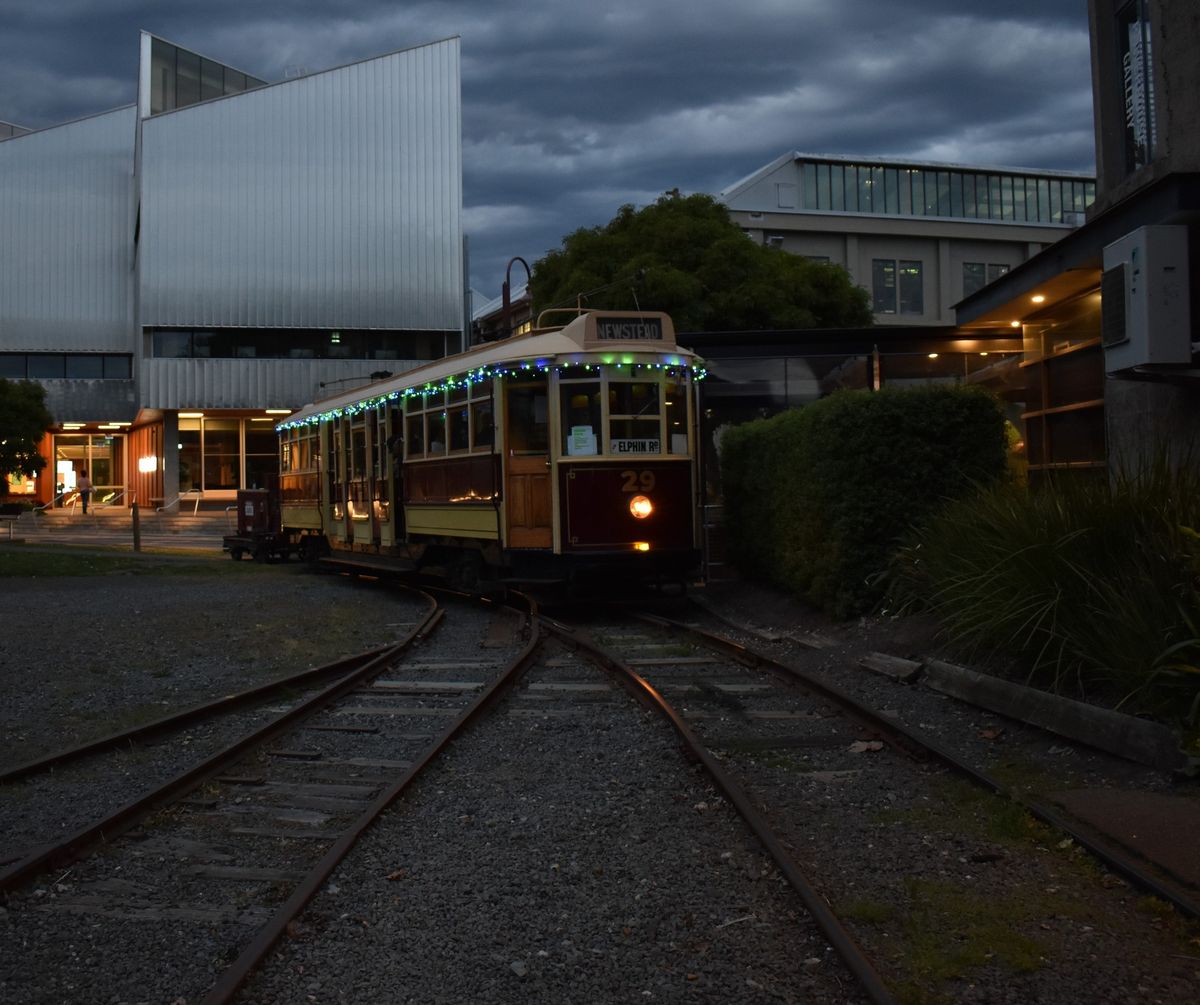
(103, 457)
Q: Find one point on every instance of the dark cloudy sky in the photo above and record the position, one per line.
(571, 109)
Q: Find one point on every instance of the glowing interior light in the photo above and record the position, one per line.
(1038, 298)
(641, 545)
(1015, 324)
(641, 507)
(933, 355)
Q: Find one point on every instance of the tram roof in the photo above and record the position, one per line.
(604, 337)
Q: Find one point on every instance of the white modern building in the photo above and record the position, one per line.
(917, 236)
(179, 272)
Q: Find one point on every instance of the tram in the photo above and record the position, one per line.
(567, 455)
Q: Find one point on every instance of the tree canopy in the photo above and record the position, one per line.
(24, 419)
(685, 256)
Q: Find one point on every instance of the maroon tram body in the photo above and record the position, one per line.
(564, 455)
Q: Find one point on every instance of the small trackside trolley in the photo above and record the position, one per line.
(563, 456)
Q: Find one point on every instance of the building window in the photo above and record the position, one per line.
(897, 286)
(1137, 73)
(976, 275)
(283, 343)
(179, 78)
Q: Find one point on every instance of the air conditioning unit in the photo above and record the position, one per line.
(1145, 317)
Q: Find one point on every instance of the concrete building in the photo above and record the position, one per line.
(1109, 314)
(917, 236)
(179, 272)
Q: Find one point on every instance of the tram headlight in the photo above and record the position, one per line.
(641, 507)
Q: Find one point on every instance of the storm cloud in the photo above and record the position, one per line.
(572, 109)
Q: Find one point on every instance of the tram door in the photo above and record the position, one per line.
(527, 446)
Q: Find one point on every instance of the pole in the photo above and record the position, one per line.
(137, 527)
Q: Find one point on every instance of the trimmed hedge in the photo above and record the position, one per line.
(817, 499)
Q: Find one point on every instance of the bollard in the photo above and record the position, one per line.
(137, 527)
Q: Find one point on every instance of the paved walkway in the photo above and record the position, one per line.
(152, 540)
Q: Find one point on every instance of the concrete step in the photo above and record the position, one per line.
(111, 523)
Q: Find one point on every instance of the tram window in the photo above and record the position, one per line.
(527, 419)
(414, 436)
(633, 398)
(435, 426)
(677, 439)
(458, 419)
(483, 428)
(580, 418)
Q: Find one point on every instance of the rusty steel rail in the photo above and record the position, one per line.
(71, 847)
(231, 980)
(187, 716)
(913, 740)
(826, 920)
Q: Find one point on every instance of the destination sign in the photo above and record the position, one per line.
(629, 329)
(634, 447)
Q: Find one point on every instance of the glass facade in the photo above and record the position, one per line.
(221, 454)
(282, 343)
(65, 366)
(944, 192)
(179, 78)
(101, 456)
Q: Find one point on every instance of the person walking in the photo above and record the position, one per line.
(83, 485)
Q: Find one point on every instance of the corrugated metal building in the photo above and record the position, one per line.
(178, 272)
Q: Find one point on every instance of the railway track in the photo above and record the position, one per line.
(561, 850)
(269, 814)
(797, 756)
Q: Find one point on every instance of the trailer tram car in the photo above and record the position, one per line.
(563, 456)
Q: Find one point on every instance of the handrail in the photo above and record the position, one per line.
(199, 493)
(61, 495)
(111, 501)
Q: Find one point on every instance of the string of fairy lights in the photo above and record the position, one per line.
(672, 368)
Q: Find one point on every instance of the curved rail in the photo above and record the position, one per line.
(830, 925)
(911, 738)
(196, 713)
(236, 974)
(72, 846)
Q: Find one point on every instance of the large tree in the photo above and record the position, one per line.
(683, 255)
(24, 419)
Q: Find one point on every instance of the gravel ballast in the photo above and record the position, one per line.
(563, 851)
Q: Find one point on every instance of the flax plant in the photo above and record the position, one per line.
(1090, 588)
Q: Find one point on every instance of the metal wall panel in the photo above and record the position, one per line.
(333, 200)
(66, 236)
(90, 400)
(250, 383)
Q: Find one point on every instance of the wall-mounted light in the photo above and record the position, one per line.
(1015, 324)
(277, 411)
(1038, 298)
(147, 465)
(191, 415)
(933, 355)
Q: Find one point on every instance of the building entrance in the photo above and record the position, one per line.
(103, 457)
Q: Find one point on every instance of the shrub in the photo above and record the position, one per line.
(1091, 587)
(816, 499)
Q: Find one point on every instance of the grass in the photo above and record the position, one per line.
(965, 808)
(23, 564)
(1090, 588)
(949, 930)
